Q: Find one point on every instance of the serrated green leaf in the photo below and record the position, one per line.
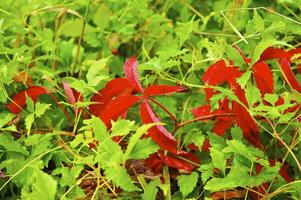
(262, 45)
(7, 142)
(134, 139)
(242, 81)
(120, 177)
(41, 108)
(271, 98)
(122, 127)
(237, 133)
(187, 183)
(239, 176)
(218, 159)
(143, 148)
(97, 72)
(252, 95)
(102, 17)
(43, 187)
(29, 119)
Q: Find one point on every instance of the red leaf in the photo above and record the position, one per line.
(263, 77)
(115, 87)
(219, 73)
(179, 163)
(289, 75)
(117, 107)
(163, 89)
(19, 100)
(158, 133)
(131, 73)
(69, 93)
(274, 53)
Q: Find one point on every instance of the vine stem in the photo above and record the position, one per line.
(80, 39)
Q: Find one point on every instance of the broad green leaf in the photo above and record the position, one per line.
(134, 139)
(102, 17)
(236, 133)
(187, 183)
(218, 159)
(252, 95)
(9, 144)
(120, 177)
(143, 148)
(97, 71)
(41, 108)
(239, 176)
(262, 45)
(122, 127)
(43, 187)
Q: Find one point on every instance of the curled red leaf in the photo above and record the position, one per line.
(163, 89)
(289, 75)
(19, 100)
(158, 133)
(117, 107)
(69, 93)
(131, 73)
(263, 77)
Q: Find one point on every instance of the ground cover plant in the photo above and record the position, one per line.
(137, 99)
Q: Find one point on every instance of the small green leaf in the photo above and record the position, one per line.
(187, 183)
(252, 95)
(242, 81)
(258, 21)
(28, 122)
(143, 148)
(151, 190)
(218, 159)
(271, 98)
(122, 127)
(134, 139)
(41, 108)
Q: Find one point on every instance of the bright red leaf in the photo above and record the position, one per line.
(163, 90)
(263, 77)
(19, 100)
(114, 88)
(117, 107)
(131, 73)
(289, 75)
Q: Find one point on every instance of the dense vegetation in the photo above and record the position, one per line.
(151, 99)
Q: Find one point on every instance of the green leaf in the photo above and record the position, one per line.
(29, 104)
(122, 127)
(143, 148)
(262, 45)
(120, 177)
(218, 159)
(41, 108)
(236, 133)
(7, 142)
(252, 95)
(134, 139)
(102, 17)
(43, 187)
(239, 176)
(187, 183)
(242, 81)
(271, 98)
(5, 117)
(28, 122)
(97, 72)
(151, 190)
(258, 21)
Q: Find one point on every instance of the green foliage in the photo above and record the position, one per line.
(56, 149)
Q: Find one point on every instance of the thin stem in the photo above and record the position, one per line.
(164, 109)
(80, 39)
